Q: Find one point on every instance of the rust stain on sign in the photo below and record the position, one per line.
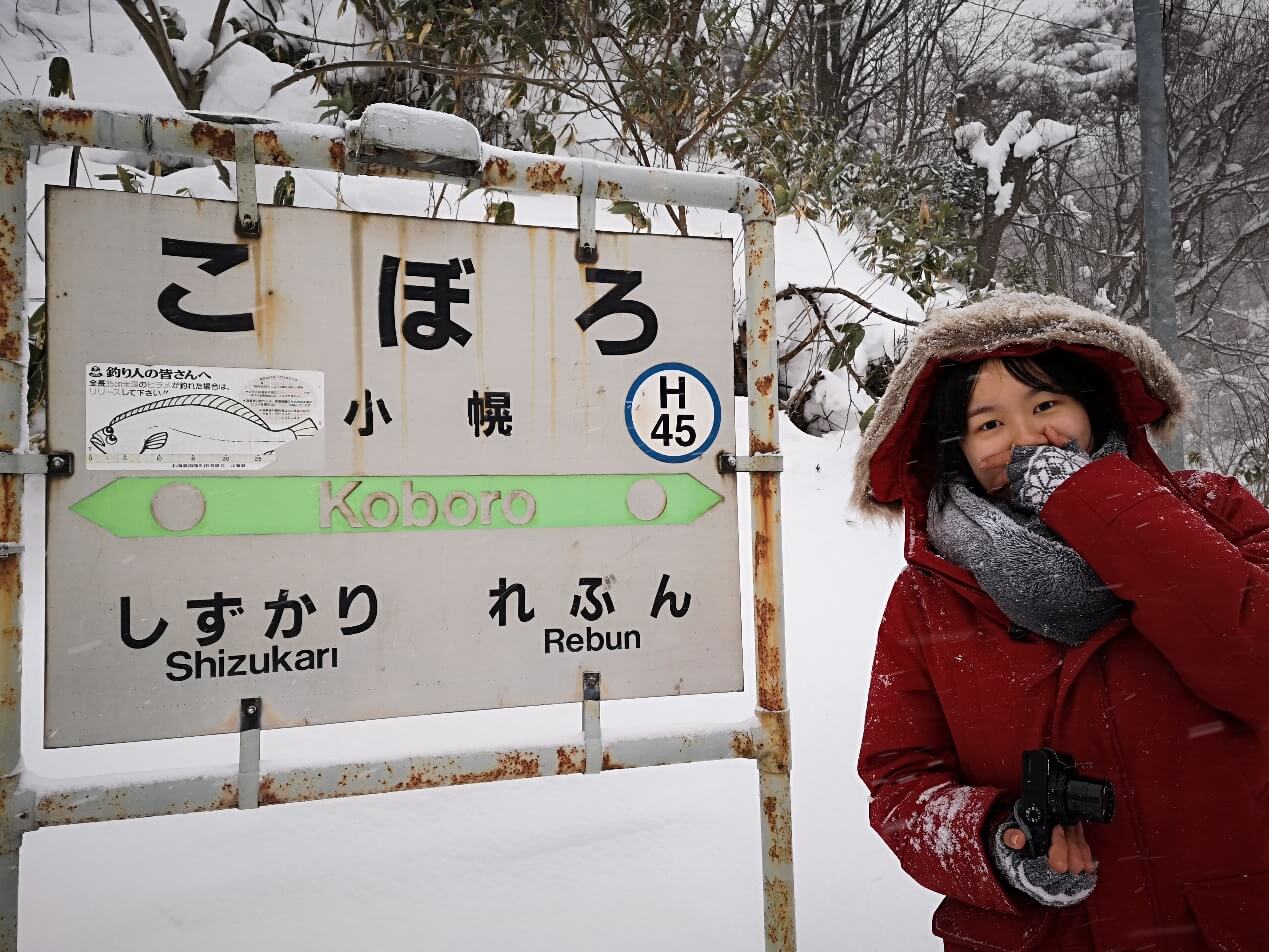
(72, 125)
(770, 657)
(779, 916)
(499, 171)
(781, 848)
(337, 155)
(612, 764)
(547, 176)
(216, 141)
(267, 141)
(570, 760)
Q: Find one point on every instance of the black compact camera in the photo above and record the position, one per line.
(1054, 792)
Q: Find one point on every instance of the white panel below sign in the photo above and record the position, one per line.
(462, 470)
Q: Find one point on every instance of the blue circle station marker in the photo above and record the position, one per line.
(696, 448)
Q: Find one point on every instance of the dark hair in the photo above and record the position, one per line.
(1058, 371)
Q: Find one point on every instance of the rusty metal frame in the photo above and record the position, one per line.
(435, 147)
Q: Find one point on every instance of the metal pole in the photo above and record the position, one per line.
(1156, 203)
(128, 800)
(14, 815)
(774, 766)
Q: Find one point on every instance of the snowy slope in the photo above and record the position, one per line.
(622, 860)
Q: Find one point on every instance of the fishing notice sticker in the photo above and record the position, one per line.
(155, 416)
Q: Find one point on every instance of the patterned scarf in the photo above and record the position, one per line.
(1036, 579)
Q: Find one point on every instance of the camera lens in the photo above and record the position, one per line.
(1090, 800)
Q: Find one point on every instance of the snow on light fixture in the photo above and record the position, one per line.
(416, 139)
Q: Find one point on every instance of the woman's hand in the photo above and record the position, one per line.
(1058, 438)
(996, 463)
(1035, 472)
(1064, 877)
(1069, 852)
(994, 468)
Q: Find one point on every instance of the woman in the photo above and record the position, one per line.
(1064, 590)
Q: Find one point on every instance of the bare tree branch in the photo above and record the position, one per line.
(867, 305)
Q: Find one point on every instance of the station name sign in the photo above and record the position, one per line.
(367, 466)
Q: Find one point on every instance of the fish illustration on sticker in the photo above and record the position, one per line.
(194, 423)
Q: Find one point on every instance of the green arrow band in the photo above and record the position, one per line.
(146, 506)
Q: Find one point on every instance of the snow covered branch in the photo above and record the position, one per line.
(1007, 165)
(1020, 141)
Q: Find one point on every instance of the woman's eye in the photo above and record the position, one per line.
(1046, 405)
(989, 425)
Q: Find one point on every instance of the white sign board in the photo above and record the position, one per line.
(368, 466)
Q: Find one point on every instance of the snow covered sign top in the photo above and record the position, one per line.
(371, 466)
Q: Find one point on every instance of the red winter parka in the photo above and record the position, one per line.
(1170, 701)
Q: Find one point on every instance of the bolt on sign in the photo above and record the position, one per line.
(368, 466)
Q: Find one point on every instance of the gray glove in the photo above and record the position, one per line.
(1036, 877)
(1036, 471)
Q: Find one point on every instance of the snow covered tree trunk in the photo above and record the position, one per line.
(996, 223)
(1006, 166)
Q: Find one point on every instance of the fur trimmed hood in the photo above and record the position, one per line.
(1151, 391)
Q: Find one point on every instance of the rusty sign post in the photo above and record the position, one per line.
(388, 141)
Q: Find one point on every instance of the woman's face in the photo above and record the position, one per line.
(1005, 412)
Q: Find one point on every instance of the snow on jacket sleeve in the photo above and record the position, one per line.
(931, 820)
(1202, 600)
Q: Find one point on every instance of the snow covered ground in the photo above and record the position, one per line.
(623, 860)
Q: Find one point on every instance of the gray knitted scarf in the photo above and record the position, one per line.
(1036, 579)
